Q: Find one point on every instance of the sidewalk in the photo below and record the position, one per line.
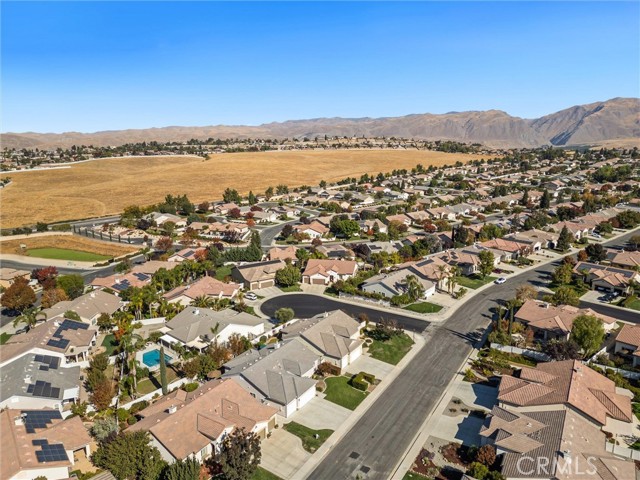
(334, 439)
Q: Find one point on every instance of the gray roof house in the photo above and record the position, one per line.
(335, 334)
(192, 327)
(88, 306)
(279, 374)
(394, 283)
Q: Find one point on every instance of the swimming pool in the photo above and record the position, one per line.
(152, 358)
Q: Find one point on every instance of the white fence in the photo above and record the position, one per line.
(358, 298)
(538, 356)
(151, 321)
(624, 373)
(623, 451)
(149, 396)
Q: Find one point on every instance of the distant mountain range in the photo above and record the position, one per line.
(615, 121)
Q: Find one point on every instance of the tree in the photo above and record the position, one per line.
(30, 316)
(239, 455)
(41, 227)
(284, 314)
(562, 274)
(19, 295)
(124, 266)
(582, 256)
(252, 198)
(73, 285)
(287, 231)
(164, 244)
(163, 372)
(268, 193)
(231, 196)
(129, 455)
(477, 470)
(188, 469)
(487, 260)
(526, 292)
(596, 252)
(486, 455)
(524, 201)
(414, 289)
(238, 344)
(45, 276)
(564, 240)
(588, 333)
(565, 295)
(52, 296)
(102, 394)
(288, 275)
(104, 321)
(104, 429)
(562, 349)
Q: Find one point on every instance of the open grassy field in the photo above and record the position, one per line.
(105, 187)
(65, 247)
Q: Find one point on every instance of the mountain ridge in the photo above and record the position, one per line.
(605, 121)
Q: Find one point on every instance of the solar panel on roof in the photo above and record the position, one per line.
(39, 418)
(141, 276)
(62, 343)
(52, 453)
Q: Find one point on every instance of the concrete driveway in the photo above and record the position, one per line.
(320, 413)
(282, 454)
(477, 396)
(365, 363)
(462, 429)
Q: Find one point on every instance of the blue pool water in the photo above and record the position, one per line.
(152, 358)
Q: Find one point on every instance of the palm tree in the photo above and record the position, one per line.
(442, 273)
(415, 290)
(127, 345)
(30, 316)
(452, 276)
(203, 301)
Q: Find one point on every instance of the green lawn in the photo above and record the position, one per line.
(148, 385)
(633, 305)
(109, 343)
(307, 435)
(636, 409)
(223, 272)
(474, 281)
(64, 254)
(339, 391)
(262, 474)
(4, 337)
(423, 307)
(412, 476)
(392, 350)
(292, 288)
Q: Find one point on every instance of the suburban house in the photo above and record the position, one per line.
(232, 232)
(608, 279)
(373, 225)
(209, 287)
(370, 248)
(335, 334)
(257, 275)
(546, 444)
(433, 269)
(224, 208)
(9, 275)
(336, 251)
(197, 327)
(121, 281)
(628, 343)
(510, 249)
(40, 444)
(324, 272)
(573, 385)
(536, 239)
(279, 374)
(395, 283)
(192, 425)
(283, 253)
(624, 259)
(184, 254)
(550, 322)
(161, 218)
(88, 306)
(314, 229)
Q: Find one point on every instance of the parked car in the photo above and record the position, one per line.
(596, 235)
(251, 296)
(500, 281)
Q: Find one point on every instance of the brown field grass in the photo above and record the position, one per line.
(107, 186)
(69, 242)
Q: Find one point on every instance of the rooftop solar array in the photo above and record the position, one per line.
(48, 362)
(51, 453)
(122, 285)
(39, 419)
(141, 276)
(43, 389)
(57, 340)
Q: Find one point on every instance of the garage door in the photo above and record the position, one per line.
(317, 281)
(267, 283)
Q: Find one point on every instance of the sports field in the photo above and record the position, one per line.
(64, 247)
(105, 187)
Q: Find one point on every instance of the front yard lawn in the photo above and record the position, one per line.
(392, 350)
(632, 303)
(262, 474)
(423, 307)
(110, 343)
(309, 442)
(4, 338)
(412, 476)
(339, 391)
(474, 281)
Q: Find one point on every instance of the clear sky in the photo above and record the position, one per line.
(92, 66)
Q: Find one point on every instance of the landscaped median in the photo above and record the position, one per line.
(311, 439)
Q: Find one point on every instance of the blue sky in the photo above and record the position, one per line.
(91, 66)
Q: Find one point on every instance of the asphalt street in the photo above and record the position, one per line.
(306, 306)
(378, 441)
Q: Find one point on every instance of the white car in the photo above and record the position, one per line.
(251, 296)
(500, 281)
(596, 235)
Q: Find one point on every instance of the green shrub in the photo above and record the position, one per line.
(369, 377)
(123, 414)
(190, 387)
(399, 300)
(138, 406)
(131, 420)
(358, 382)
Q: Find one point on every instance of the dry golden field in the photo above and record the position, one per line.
(105, 187)
(69, 242)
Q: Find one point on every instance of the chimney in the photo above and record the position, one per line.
(19, 420)
(27, 379)
(172, 409)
